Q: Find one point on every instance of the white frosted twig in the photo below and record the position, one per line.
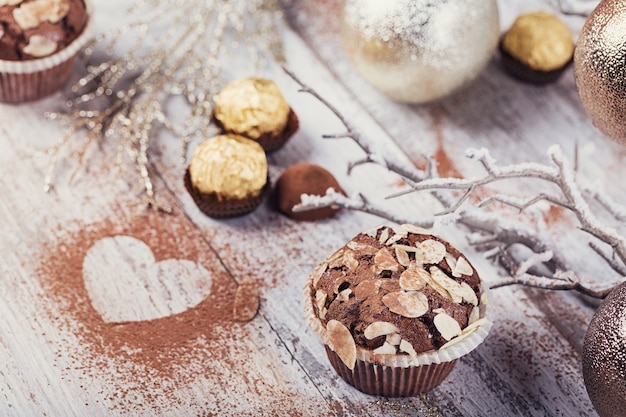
(500, 238)
(358, 203)
(400, 168)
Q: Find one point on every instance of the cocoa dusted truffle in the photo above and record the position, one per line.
(255, 108)
(395, 308)
(304, 178)
(32, 29)
(537, 47)
(228, 176)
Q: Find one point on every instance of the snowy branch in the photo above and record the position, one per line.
(544, 267)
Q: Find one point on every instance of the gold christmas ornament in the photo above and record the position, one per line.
(600, 68)
(604, 355)
(418, 51)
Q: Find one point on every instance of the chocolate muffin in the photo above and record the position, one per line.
(537, 48)
(39, 40)
(304, 178)
(37, 28)
(228, 176)
(396, 307)
(255, 108)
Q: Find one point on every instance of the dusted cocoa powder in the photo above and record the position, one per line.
(145, 353)
(200, 362)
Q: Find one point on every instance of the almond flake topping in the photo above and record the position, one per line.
(335, 260)
(393, 339)
(365, 288)
(406, 248)
(40, 46)
(341, 342)
(414, 278)
(350, 261)
(384, 235)
(401, 231)
(379, 328)
(393, 239)
(447, 326)
(436, 286)
(407, 304)
(432, 251)
(362, 248)
(384, 261)
(10, 2)
(344, 295)
(320, 303)
(458, 291)
(407, 347)
(30, 15)
(474, 315)
(466, 332)
(451, 261)
(462, 267)
(402, 256)
(385, 349)
(416, 230)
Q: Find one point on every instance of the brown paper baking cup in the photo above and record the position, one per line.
(212, 207)
(389, 381)
(399, 375)
(270, 142)
(29, 80)
(522, 72)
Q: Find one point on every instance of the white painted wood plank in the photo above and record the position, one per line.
(50, 358)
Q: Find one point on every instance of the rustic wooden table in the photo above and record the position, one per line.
(86, 331)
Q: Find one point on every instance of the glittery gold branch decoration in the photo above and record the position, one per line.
(176, 50)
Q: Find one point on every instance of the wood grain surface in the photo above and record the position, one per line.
(112, 309)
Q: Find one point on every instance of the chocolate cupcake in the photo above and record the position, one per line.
(39, 41)
(255, 108)
(228, 176)
(537, 48)
(304, 178)
(396, 307)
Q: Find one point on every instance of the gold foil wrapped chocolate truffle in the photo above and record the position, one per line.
(537, 47)
(255, 108)
(228, 176)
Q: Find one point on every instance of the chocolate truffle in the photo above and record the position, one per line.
(537, 47)
(255, 108)
(304, 178)
(32, 29)
(397, 297)
(228, 176)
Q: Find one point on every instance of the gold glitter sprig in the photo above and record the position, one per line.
(176, 50)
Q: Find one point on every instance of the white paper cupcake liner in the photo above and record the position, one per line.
(29, 80)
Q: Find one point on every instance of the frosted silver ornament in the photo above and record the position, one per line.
(604, 355)
(418, 51)
(600, 68)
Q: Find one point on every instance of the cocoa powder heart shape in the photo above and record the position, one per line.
(125, 284)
